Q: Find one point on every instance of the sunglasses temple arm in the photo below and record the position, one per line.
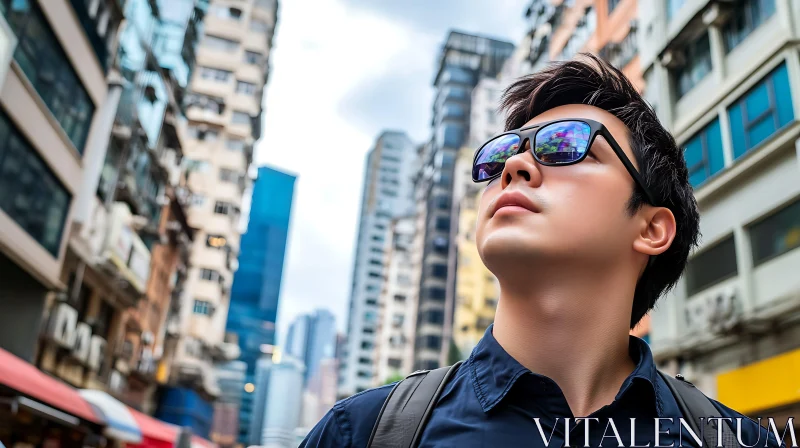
(629, 166)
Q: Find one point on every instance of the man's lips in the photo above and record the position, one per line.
(514, 199)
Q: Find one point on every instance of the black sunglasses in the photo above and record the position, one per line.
(555, 143)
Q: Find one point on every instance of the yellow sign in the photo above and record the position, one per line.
(762, 385)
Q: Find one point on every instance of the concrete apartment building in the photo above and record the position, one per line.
(725, 78)
(223, 111)
(397, 316)
(463, 60)
(387, 194)
(51, 126)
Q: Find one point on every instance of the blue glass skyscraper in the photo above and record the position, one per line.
(257, 283)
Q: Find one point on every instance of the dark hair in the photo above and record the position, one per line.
(590, 80)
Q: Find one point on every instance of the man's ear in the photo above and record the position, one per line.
(657, 230)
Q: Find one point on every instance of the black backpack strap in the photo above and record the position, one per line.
(694, 405)
(408, 407)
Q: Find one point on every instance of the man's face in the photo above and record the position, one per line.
(579, 211)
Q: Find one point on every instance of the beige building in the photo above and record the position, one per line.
(725, 79)
(55, 116)
(223, 122)
(397, 315)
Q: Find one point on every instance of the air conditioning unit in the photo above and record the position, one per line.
(673, 59)
(162, 200)
(147, 338)
(97, 351)
(718, 13)
(138, 222)
(61, 328)
(83, 339)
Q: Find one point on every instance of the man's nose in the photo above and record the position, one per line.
(521, 167)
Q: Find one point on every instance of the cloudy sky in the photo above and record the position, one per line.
(342, 71)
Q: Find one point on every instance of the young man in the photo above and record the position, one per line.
(587, 218)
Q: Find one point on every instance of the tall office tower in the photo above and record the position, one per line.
(463, 61)
(223, 111)
(476, 288)
(387, 193)
(225, 426)
(284, 400)
(257, 283)
(725, 78)
(312, 338)
(394, 344)
(51, 127)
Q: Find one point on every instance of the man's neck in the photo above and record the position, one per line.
(574, 332)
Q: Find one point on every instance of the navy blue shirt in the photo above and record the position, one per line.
(492, 400)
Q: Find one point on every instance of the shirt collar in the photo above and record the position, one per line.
(494, 372)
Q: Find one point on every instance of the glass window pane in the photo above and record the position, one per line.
(776, 234)
(711, 266)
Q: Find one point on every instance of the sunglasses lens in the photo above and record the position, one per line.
(493, 155)
(562, 142)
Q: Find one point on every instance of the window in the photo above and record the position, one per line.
(439, 270)
(761, 112)
(225, 12)
(698, 65)
(673, 6)
(776, 234)
(366, 345)
(443, 202)
(368, 330)
(370, 316)
(216, 241)
(389, 193)
(30, 193)
(214, 73)
(395, 363)
(195, 166)
(375, 274)
(198, 199)
(434, 316)
(239, 117)
(377, 237)
(432, 342)
(454, 110)
(612, 4)
(252, 57)
(49, 70)
(202, 307)
(399, 298)
(380, 226)
(210, 275)
(711, 266)
(224, 208)
(703, 154)
(204, 135)
(363, 374)
(440, 245)
(259, 26)
(398, 319)
(436, 293)
(372, 288)
(220, 43)
(372, 302)
(230, 176)
(375, 262)
(234, 144)
(443, 224)
(490, 302)
(747, 16)
(247, 88)
(376, 250)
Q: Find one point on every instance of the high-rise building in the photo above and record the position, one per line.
(257, 283)
(284, 401)
(463, 61)
(55, 118)
(396, 321)
(312, 338)
(387, 193)
(223, 112)
(725, 79)
(225, 426)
